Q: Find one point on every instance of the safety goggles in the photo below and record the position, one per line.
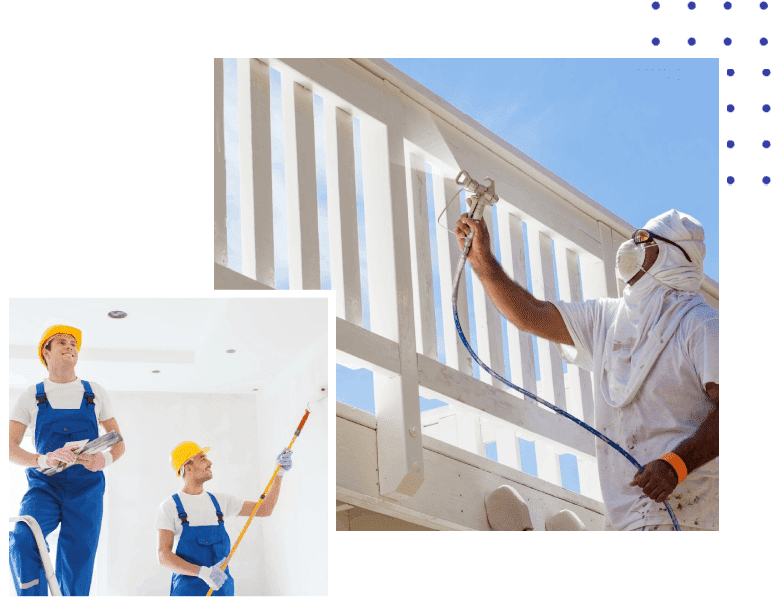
(642, 236)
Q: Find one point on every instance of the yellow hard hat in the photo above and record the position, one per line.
(59, 329)
(183, 452)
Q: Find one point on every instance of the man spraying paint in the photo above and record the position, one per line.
(654, 358)
(196, 516)
(60, 409)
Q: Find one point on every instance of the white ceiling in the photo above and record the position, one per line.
(274, 339)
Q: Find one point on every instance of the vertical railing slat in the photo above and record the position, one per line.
(423, 285)
(548, 463)
(256, 172)
(581, 403)
(343, 221)
(488, 322)
(220, 194)
(544, 288)
(508, 447)
(448, 253)
(397, 403)
(301, 198)
(469, 432)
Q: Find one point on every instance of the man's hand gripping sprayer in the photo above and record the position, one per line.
(482, 196)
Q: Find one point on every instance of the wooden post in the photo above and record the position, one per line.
(544, 288)
(343, 221)
(423, 284)
(397, 404)
(548, 463)
(457, 356)
(301, 198)
(521, 356)
(256, 170)
(581, 402)
(488, 322)
(507, 443)
(220, 195)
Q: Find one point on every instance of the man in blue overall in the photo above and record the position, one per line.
(62, 409)
(197, 517)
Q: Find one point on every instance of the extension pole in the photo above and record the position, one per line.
(262, 497)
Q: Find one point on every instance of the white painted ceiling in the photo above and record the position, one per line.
(274, 339)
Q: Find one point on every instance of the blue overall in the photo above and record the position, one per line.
(202, 546)
(72, 497)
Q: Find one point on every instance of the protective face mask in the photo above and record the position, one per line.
(629, 260)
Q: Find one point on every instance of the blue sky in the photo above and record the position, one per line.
(638, 136)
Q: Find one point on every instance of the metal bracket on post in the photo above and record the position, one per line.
(43, 549)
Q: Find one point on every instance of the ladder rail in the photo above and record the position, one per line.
(43, 549)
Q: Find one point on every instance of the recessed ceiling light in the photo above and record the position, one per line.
(255, 389)
(117, 314)
(156, 371)
(231, 351)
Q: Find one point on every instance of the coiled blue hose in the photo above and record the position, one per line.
(458, 272)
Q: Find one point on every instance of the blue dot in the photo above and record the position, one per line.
(730, 144)
(655, 6)
(692, 5)
(766, 180)
(763, 41)
(766, 72)
(727, 41)
(731, 72)
(766, 143)
(730, 108)
(766, 107)
(691, 41)
(727, 6)
(763, 5)
(730, 180)
(656, 41)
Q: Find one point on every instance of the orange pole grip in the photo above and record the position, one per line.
(260, 500)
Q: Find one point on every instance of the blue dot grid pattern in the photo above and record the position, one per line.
(752, 113)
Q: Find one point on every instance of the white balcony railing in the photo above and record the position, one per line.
(412, 145)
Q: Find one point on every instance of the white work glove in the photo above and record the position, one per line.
(285, 460)
(51, 459)
(214, 576)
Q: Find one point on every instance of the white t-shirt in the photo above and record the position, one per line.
(669, 407)
(60, 395)
(199, 509)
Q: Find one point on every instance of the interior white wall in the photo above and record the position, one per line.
(296, 535)
(152, 424)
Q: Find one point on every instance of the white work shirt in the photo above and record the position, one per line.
(199, 509)
(60, 395)
(669, 407)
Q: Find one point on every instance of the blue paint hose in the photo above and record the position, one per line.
(476, 214)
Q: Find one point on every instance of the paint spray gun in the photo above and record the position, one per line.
(481, 196)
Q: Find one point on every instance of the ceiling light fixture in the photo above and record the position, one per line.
(156, 371)
(231, 351)
(117, 314)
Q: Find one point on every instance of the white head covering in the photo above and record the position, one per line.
(652, 309)
(675, 270)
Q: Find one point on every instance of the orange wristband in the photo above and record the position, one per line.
(677, 463)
